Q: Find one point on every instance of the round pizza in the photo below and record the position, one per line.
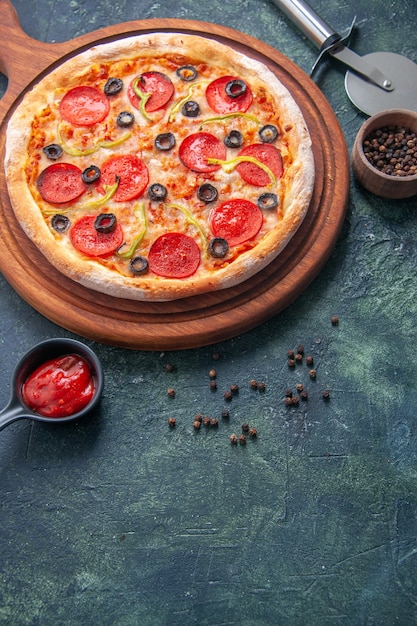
(159, 166)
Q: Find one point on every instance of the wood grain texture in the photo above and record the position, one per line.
(200, 320)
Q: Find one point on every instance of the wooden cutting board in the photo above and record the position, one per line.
(199, 320)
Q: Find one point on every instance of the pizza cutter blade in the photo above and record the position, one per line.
(374, 82)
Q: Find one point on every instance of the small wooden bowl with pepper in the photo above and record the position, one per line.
(384, 155)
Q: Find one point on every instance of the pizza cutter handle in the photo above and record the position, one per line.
(313, 26)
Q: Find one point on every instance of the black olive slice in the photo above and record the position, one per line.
(139, 265)
(218, 247)
(91, 174)
(53, 151)
(125, 119)
(268, 133)
(207, 193)
(165, 141)
(268, 201)
(156, 191)
(105, 223)
(190, 109)
(234, 139)
(187, 73)
(235, 88)
(113, 86)
(60, 223)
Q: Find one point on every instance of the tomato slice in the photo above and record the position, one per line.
(87, 240)
(132, 173)
(236, 220)
(197, 148)
(61, 183)
(158, 85)
(84, 106)
(220, 102)
(267, 154)
(174, 255)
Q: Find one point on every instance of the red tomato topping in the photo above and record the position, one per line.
(174, 255)
(132, 173)
(156, 83)
(197, 148)
(221, 103)
(265, 153)
(61, 183)
(60, 387)
(84, 106)
(87, 240)
(236, 220)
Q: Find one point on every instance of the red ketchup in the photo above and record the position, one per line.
(59, 387)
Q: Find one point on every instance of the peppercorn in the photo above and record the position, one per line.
(253, 384)
(253, 433)
(206, 421)
(261, 386)
(313, 374)
(309, 360)
(213, 385)
(291, 363)
(228, 396)
(290, 354)
(198, 418)
(233, 439)
(288, 401)
(294, 401)
(335, 320)
(171, 392)
(325, 394)
(212, 374)
(215, 356)
(169, 367)
(172, 422)
(392, 150)
(197, 425)
(225, 414)
(300, 348)
(242, 440)
(214, 422)
(234, 388)
(300, 387)
(304, 395)
(245, 427)
(298, 357)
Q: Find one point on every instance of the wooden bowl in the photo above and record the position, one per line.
(367, 174)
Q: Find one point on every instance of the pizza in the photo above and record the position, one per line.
(159, 166)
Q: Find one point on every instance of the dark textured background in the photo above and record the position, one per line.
(118, 520)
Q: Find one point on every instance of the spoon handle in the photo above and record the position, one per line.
(12, 412)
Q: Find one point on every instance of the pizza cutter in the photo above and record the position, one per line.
(375, 82)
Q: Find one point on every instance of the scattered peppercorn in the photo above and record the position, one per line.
(300, 348)
(214, 422)
(300, 387)
(172, 422)
(198, 418)
(228, 395)
(234, 388)
(335, 320)
(325, 394)
(253, 384)
(213, 385)
(169, 367)
(253, 432)
(245, 427)
(197, 425)
(261, 386)
(171, 392)
(294, 401)
(309, 360)
(291, 363)
(225, 414)
(212, 374)
(242, 440)
(290, 354)
(313, 374)
(289, 393)
(233, 439)
(288, 401)
(215, 356)
(304, 395)
(392, 150)
(298, 357)
(206, 421)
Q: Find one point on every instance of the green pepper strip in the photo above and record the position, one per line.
(140, 212)
(176, 107)
(143, 98)
(229, 166)
(93, 204)
(228, 116)
(190, 218)
(101, 144)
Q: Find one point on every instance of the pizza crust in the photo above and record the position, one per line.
(298, 179)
